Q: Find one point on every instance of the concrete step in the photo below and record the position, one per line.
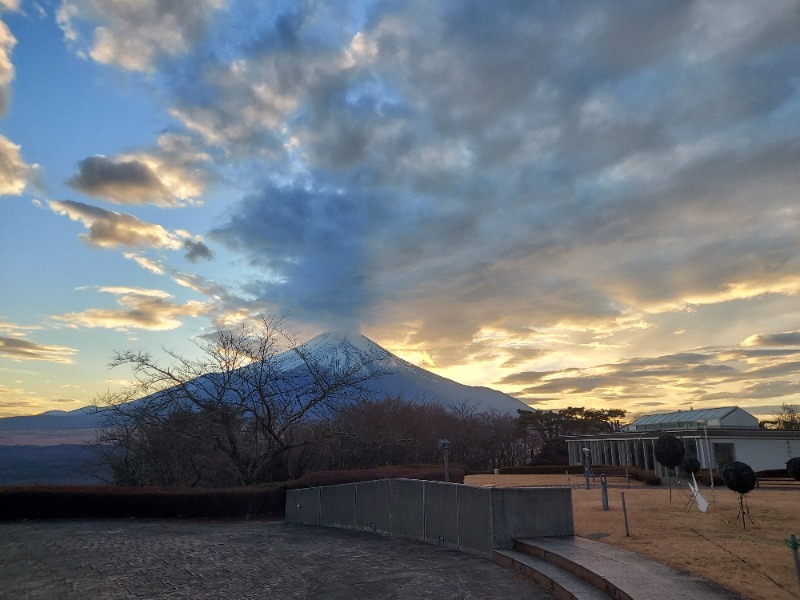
(619, 573)
(563, 584)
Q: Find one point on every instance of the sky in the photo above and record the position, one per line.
(578, 203)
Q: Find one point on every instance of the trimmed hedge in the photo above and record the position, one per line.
(543, 470)
(608, 470)
(318, 478)
(647, 477)
(772, 473)
(71, 502)
(704, 476)
(110, 502)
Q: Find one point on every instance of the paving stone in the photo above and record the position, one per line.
(176, 559)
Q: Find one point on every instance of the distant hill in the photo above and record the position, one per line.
(61, 464)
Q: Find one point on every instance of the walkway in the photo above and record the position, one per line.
(235, 560)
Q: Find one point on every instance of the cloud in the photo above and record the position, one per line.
(14, 346)
(585, 186)
(135, 35)
(166, 178)
(109, 229)
(196, 250)
(787, 338)
(13, 170)
(7, 43)
(154, 267)
(544, 189)
(147, 309)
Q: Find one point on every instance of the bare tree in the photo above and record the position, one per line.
(787, 418)
(240, 408)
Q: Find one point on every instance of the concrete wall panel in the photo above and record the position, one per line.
(337, 506)
(372, 506)
(406, 504)
(530, 512)
(302, 506)
(471, 519)
(475, 519)
(441, 514)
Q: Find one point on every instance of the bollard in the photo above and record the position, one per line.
(586, 475)
(604, 491)
(625, 515)
(793, 544)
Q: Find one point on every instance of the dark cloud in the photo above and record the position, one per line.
(311, 248)
(123, 182)
(197, 250)
(787, 338)
(15, 348)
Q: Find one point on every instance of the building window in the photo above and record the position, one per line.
(724, 455)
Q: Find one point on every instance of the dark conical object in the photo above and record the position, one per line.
(739, 477)
(793, 467)
(690, 464)
(669, 451)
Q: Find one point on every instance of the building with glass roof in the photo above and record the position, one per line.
(714, 436)
(730, 417)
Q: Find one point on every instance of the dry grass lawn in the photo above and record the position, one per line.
(754, 561)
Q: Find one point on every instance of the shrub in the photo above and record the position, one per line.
(771, 473)
(338, 477)
(793, 468)
(704, 476)
(65, 502)
(543, 470)
(647, 477)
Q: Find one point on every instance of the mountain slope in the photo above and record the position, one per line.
(395, 376)
(389, 376)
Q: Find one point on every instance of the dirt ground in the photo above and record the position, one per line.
(754, 560)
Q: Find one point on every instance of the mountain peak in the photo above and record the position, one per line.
(393, 376)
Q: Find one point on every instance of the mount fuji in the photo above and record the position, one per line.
(386, 375)
(393, 376)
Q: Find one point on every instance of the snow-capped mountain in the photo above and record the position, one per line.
(388, 374)
(395, 376)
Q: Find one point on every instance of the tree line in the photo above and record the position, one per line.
(257, 407)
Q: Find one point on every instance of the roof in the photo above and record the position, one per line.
(727, 416)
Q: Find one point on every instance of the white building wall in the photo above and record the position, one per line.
(758, 452)
(763, 454)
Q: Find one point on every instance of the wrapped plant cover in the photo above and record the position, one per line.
(690, 464)
(793, 467)
(739, 477)
(669, 451)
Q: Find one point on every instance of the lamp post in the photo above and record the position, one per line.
(587, 454)
(444, 446)
(708, 459)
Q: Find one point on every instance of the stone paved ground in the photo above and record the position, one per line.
(234, 560)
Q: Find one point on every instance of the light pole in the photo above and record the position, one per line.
(587, 453)
(444, 446)
(708, 459)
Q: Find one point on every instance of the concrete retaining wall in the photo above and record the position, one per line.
(470, 519)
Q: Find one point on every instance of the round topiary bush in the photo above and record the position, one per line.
(690, 464)
(793, 467)
(739, 477)
(669, 451)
